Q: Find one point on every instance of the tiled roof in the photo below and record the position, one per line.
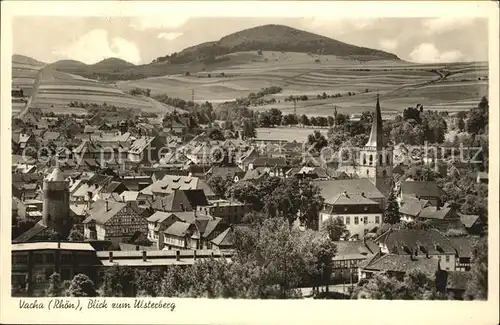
(211, 226)
(352, 250)
(431, 241)
(225, 172)
(330, 189)
(403, 263)
(178, 228)
(225, 238)
(171, 183)
(352, 199)
(102, 212)
(412, 206)
(463, 245)
(421, 189)
(432, 212)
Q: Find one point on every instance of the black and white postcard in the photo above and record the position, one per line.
(250, 162)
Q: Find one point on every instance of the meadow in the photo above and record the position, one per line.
(451, 87)
(52, 91)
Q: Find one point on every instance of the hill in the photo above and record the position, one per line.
(112, 63)
(64, 93)
(227, 51)
(23, 59)
(276, 38)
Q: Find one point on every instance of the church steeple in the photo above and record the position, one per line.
(376, 134)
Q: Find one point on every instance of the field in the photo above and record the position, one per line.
(401, 84)
(298, 134)
(52, 91)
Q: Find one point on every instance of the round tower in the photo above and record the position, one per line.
(56, 203)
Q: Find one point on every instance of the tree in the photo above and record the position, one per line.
(391, 213)
(317, 141)
(82, 286)
(117, 281)
(55, 286)
(304, 120)
(477, 120)
(248, 128)
(265, 119)
(215, 134)
(75, 235)
(461, 124)
(335, 229)
(477, 285)
(219, 185)
(275, 116)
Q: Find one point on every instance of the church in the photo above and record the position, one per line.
(360, 201)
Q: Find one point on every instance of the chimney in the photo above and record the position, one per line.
(144, 256)
(363, 194)
(107, 205)
(177, 255)
(438, 208)
(194, 254)
(110, 257)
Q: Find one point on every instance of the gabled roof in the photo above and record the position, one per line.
(403, 264)
(101, 214)
(226, 172)
(211, 226)
(421, 189)
(178, 228)
(354, 249)
(412, 206)
(171, 183)
(431, 241)
(463, 245)
(160, 216)
(225, 238)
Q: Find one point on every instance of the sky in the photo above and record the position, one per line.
(139, 40)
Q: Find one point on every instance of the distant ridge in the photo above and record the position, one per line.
(277, 38)
(23, 59)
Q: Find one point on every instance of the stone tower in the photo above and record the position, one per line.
(56, 203)
(375, 158)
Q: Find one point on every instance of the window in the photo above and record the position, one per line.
(356, 220)
(371, 160)
(366, 220)
(364, 159)
(347, 220)
(447, 258)
(377, 219)
(367, 173)
(388, 159)
(380, 159)
(38, 259)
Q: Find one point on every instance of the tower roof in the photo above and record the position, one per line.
(55, 176)
(376, 134)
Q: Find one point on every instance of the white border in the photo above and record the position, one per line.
(201, 311)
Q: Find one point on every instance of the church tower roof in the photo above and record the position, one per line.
(376, 134)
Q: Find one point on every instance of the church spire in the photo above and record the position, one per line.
(376, 134)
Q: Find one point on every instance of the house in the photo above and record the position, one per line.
(180, 200)
(145, 149)
(359, 214)
(426, 190)
(256, 175)
(398, 265)
(482, 178)
(463, 246)
(34, 263)
(357, 202)
(411, 207)
(158, 222)
(472, 223)
(171, 183)
(417, 243)
(231, 212)
(233, 173)
(349, 254)
(113, 221)
(225, 240)
(277, 166)
(25, 142)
